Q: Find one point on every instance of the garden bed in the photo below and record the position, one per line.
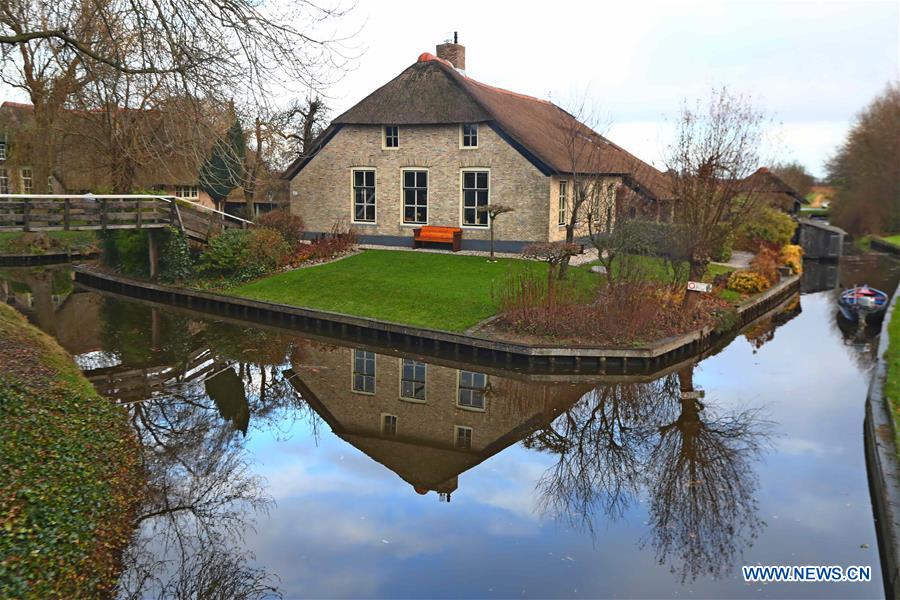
(70, 473)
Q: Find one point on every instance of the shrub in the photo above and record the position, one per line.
(792, 256)
(767, 225)
(176, 261)
(226, 253)
(289, 226)
(125, 251)
(266, 249)
(747, 282)
(338, 241)
(766, 264)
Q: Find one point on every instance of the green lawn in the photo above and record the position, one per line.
(814, 212)
(68, 240)
(440, 291)
(892, 382)
(893, 239)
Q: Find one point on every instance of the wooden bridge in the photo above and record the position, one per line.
(53, 212)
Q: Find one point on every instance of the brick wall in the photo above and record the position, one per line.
(322, 192)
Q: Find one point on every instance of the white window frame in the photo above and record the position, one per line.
(462, 136)
(4, 181)
(384, 137)
(462, 198)
(401, 380)
(403, 172)
(180, 189)
(374, 375)
(353, 172)
(29, 187)
(2, 150)
(562, 202)
(456, 436)
(487, 381)
(396, 424)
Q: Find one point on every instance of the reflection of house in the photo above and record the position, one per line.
(773, 191)
(170, 157)
(427, 423)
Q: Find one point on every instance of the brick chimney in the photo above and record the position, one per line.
(453, 53)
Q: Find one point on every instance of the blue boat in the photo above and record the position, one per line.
(862, 302)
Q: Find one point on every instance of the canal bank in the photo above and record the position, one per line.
(70, 472)
(434, 342)
(883, 464)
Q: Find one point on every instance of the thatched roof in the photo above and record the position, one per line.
(432, 92)
(765, 181)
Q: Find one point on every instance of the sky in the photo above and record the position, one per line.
(811, 66)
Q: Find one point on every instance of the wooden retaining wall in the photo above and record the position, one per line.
(884, 246)
(431, 342)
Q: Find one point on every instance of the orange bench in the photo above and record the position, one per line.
(443, 235)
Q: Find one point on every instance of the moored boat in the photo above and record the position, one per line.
(862, 302)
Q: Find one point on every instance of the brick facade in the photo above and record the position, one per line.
(321, 193)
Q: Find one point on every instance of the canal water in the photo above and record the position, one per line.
(282, 465)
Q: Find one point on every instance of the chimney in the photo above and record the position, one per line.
(453, 53)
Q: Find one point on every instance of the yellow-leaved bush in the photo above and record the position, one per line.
(747, 282)
(792, 256)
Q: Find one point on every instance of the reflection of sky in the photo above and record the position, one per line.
(346, 526)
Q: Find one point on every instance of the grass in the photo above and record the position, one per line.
(892, 381)
(893, 239)
(814, 212)
(439, 291)
(61, 240)
(69, 472)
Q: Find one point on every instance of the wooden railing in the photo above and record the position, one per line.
(61, 212)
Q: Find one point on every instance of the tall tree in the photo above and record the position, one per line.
(224, 170)
(795, 175)
(865, 169)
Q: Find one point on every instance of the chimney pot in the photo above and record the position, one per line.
(453, 53)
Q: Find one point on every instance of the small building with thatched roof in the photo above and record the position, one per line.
(433, 146)
(770, 189)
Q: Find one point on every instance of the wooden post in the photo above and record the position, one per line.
(103, 213)
(66, 216)
(26, 215)
(153, 252)
(139, 216)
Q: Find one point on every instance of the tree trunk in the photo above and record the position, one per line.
(698, 269)
(492, 240)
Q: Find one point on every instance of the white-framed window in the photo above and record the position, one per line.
(4, 181)
(363, 372)
(415, 196)
(563, 202)
(469, 132)
(462, 437)
(391, 136)
(389, 424)
(412, 379)
(2, 150)
(187, 191)
(27, 180)
(475, 194)
(363, 195)
(50, 184)
(471, 387)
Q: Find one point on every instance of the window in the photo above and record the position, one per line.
(412, 379)
(475, 195)
(470, 135)
(187, 191)
(415, 197)
(391, 136)
(364, 371)
(364, 196)
(563, 202)
(50, 184)
(4, 181)
(27, 186)
(463, 437)
(471, 390)
(2, 150)
(389, 424)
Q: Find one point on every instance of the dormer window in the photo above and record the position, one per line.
(391, 136)
(470, 135)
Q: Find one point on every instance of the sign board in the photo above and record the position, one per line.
(695, 395)
(696, 286)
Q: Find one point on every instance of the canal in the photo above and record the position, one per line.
(283, 465)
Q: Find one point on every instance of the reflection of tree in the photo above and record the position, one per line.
(662, 440)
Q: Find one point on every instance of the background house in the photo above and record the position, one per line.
(433, 145)
(771, 190)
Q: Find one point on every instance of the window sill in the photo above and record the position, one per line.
(476, 227)
(361, 393)
(413, 400)
(364, 223)
(471, 408)
(413, 224)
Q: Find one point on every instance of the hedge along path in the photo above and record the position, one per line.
(70, 474)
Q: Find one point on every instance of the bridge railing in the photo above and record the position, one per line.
(56, 212)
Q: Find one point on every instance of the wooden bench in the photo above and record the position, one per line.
(442, 235)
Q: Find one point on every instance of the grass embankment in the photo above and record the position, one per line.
(893, 239)
(13, 242)
(69, 472)
(892, 381)
(440, 291)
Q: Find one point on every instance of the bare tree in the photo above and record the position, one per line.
(795, 175)
(493, 211)
(717, 145)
